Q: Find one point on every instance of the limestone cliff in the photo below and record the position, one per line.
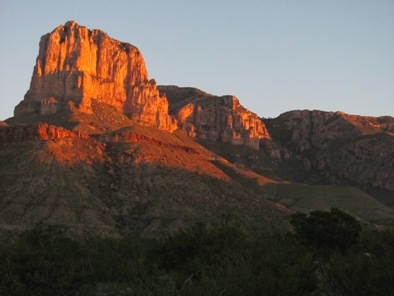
(76, 65)
(215, 118)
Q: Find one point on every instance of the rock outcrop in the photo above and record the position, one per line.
(40, 131)
(76, 65)
(214, 118)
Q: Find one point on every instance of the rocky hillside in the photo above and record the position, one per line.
(137, 179)
(339, 148)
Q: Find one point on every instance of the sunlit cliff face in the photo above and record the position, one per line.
(210, 117)
(76, 65)
(223, 119)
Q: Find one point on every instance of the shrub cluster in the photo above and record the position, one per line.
(205, 260)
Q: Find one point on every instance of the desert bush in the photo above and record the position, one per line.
(365, 268)
(201, 260)
(326, 231)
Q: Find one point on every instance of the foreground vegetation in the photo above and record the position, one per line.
(328, 254)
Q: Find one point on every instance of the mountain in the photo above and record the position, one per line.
(97, 146)
(316, 147)
(351, 156)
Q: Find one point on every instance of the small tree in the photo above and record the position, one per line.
(334, 230)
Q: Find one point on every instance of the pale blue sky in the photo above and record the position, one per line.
(273, 55)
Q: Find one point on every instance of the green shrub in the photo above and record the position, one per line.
(327, 230)
(201, 260)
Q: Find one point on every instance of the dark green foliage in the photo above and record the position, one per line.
(365, 269)
(223, 260)
(43, 258)
(276, 265)
(349, 260)
(202, 260)
(44, 261)
(207, 245)
(327, 230)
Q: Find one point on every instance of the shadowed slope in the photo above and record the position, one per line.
(155, 183)
(304, 197)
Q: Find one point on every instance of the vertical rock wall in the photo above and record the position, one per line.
(76, 65)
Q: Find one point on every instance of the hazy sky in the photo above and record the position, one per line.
(273, 55)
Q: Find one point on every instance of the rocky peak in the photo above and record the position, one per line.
(214, 118)
(76, 65)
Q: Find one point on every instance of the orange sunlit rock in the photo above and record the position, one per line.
(76, 65)
(40, 131)
(215, 118)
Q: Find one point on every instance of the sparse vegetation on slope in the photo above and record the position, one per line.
(156, 182)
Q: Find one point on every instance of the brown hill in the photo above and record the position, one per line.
(135, 179)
